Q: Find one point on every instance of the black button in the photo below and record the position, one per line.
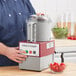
(34, 52)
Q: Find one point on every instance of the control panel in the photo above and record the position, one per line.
(30, 48)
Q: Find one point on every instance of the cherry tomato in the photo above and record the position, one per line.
(62, 65)
(56, 69)
(60, 69)
(51, 66)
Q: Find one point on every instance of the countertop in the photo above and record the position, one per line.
(69, 71)
(65, 42)
(15, 71)
(65, 45)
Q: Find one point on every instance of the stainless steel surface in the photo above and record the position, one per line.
(36, 63)
(39, 28)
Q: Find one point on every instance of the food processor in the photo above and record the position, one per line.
(38, 47)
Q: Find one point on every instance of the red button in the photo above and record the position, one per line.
(30, 52)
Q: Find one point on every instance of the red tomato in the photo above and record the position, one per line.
(69, 37)
(60, 69)
(62, 65)
(56, 69)
(55, 63)
(51, 66)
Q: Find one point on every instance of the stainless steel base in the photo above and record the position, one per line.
(36, 63)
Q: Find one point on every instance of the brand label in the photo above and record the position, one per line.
(50, 45)
(30, 48)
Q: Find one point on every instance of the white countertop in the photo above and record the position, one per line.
(65, 45)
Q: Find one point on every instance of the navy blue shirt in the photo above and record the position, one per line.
(13, 15)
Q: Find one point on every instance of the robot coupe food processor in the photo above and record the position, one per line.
(39, 47)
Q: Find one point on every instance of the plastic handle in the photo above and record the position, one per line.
(62, 58)
(31, 32)
(28, 32)
(34, 32)
(31, 35)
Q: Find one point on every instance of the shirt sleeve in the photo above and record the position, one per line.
(30, 7)
(0, 22)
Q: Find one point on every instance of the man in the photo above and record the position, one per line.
(13, 14)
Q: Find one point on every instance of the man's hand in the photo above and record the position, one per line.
(15, 54)
(12, 53)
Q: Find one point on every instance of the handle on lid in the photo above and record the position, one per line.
(31, 32)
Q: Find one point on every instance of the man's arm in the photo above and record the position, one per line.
(3, 49)
(12, 53)
(30, 7)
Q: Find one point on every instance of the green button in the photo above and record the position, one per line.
(26, 51)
